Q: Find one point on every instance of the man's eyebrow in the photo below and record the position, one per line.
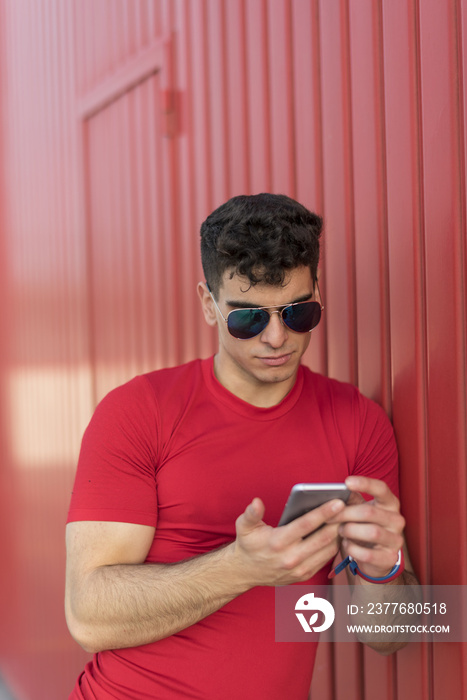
(247, 305)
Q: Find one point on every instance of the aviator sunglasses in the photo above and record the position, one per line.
(300, 317)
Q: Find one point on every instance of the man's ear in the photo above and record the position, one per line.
(207, 304)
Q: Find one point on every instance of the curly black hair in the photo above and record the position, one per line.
(260, 237)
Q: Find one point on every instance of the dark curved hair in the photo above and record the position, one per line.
(260, 237)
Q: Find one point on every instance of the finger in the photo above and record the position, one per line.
(373, 487)
(251, 517)
(311, 553)
(355, 498)
(371, 535)
(325, 536)
(313, 563)
(370, 513)
(343, 515)
(305, 524)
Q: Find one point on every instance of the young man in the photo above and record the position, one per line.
(172, 537)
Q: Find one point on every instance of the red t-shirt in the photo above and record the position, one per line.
(175, 450)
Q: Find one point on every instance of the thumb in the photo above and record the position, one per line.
(251, 517)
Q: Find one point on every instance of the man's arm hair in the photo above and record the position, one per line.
(116, 600)
(117, 605)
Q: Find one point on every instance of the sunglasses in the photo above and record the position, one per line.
(300, 317)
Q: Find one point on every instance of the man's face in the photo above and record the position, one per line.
(260, 370)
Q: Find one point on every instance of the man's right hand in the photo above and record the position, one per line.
(270, 556)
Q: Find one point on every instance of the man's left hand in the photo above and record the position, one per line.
(371, 530)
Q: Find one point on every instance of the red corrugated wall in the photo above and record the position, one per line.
(123, 124)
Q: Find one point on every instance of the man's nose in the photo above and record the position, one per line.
(275, 333)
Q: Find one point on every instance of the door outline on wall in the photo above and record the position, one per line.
(137, 71)
(154, 59)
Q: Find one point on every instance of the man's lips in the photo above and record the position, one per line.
(276, 361)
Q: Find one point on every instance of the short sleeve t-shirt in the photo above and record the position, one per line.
(174, 450)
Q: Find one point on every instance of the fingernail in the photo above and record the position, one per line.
(337, 505)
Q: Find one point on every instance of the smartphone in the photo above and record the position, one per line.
(305, 497)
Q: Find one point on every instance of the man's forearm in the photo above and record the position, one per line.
(126, 605)
(388, 593)
(111, 605)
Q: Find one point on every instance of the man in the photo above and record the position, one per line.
(172, 539)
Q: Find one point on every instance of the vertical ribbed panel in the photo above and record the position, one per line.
(371, 265)
(123, 125)
(281, 96)
(443, 157)
(338, 202)
(127, 251)
(306, 48)
(407, 297)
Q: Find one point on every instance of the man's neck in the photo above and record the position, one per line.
(260, 394)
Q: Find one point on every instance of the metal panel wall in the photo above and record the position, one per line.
(123, 125)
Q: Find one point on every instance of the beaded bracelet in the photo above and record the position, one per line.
(396, 571)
